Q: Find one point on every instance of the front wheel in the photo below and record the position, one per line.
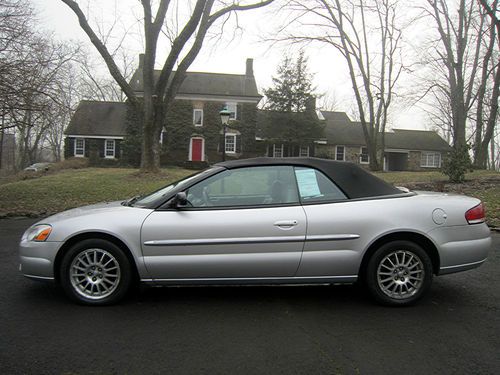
(399, 273)
(95, 272)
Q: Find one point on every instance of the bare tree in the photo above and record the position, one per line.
(94, 85)
(458, 48)
(368, 36)
(40, 99)
(185, 45)
(463, 77)
(16, 19)
(490, 76)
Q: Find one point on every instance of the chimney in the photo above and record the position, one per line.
(311, 104)
(249, 71)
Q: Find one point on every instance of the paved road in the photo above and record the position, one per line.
(238, 330)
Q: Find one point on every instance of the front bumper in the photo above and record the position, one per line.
(461, 247)
(36, 259)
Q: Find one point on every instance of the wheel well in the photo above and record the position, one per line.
(93, 235)
(419, 239)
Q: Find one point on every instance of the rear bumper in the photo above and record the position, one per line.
(36, 259)
(461, 247)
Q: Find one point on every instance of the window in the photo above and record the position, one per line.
(230, 143)
(364, 158)
(277, 151)
(339, 153)
(314, 186)
(109, 148)
(304, 151)
(198, 117)
(252, 186)
(430, 159)
(79, 147)
(233, 109)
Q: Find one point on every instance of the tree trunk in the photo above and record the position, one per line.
(150, 159)
(482, 154)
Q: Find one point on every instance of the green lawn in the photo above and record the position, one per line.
(61, 190)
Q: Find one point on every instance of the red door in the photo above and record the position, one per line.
(197, 149)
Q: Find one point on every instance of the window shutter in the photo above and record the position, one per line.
(101, 144)
(238, 144)
(221, 143)
(238, 112)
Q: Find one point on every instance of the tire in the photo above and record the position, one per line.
(399, 273)
(95, 272)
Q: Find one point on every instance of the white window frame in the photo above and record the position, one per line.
(190, 156)
(106, 156)
(361, 155)
(425, 156)
(234, 114)
(233, 150)
(280, 148)
(77, 155)
(194, 116)
(304, 154)
(343, 152)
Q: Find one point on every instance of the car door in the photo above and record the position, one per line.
(334, 225)
(243, 223)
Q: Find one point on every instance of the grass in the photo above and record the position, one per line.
(66, 189)
(430, 176)
(60, 190)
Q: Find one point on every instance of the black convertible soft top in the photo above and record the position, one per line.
(354, 181)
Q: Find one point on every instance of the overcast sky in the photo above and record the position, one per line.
(227, 55)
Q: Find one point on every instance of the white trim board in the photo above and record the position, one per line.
(95, 136)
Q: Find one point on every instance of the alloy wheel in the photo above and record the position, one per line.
(400, 274)
(95, 273)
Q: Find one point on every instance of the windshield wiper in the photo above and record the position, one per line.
(129, 202)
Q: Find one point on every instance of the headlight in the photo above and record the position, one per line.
(38, 233)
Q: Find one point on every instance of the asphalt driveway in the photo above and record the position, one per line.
(238, 330)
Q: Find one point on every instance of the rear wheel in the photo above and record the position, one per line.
(399, 273)
(95, 272)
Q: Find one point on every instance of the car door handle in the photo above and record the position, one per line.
(286, 223)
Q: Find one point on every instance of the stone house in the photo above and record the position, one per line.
(412, 150)
(193, 133)
(193, 130)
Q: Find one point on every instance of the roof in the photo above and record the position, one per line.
(416, 140)
(96, 118)
(336, 116)
(212, 84)
(353, 180)
(340, 130)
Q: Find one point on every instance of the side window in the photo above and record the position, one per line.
(253, 186)
(314, 186)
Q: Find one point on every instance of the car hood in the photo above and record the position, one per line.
(105, 207)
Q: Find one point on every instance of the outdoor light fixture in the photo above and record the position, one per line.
(224, 118)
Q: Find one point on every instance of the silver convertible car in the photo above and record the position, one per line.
(262, 221)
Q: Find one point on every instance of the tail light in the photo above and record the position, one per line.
(476, 214)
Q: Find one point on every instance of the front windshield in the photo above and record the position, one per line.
(158, 195)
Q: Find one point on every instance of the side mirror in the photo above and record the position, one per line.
(179, 200)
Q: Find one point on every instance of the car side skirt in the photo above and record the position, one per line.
(257, 280)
